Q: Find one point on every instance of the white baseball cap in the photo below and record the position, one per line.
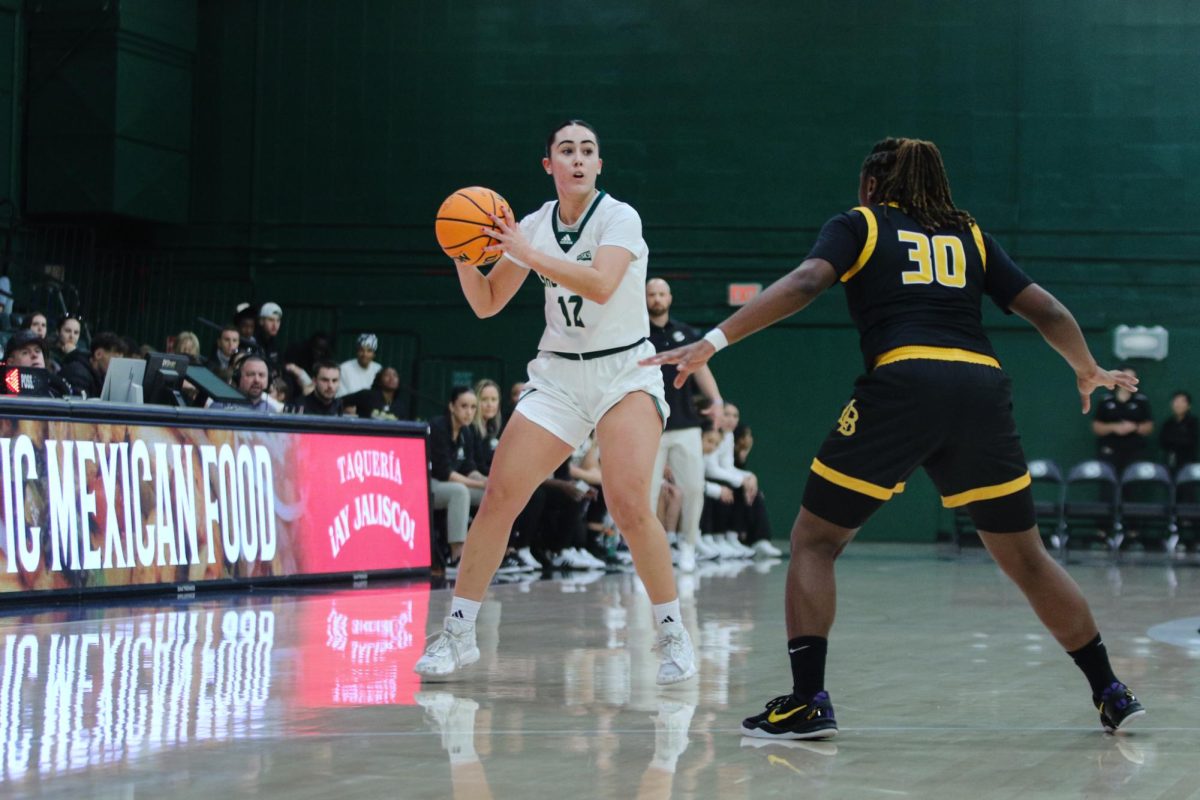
(271, 310)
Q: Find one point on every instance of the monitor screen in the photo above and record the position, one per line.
(210, 384)
(164, 378)
(123, 376)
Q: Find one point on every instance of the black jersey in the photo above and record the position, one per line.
(683, 410)
(907, 287)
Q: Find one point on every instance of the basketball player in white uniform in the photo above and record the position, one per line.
(588, 252)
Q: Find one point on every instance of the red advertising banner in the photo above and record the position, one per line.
(92, 504)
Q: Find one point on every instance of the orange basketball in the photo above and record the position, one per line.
(459, 221)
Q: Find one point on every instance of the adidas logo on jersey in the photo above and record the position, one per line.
(586, 255)
(566, 239)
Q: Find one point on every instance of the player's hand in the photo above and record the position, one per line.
(509, 237)
(687, 359)
(726, 495)
(1093, 379)
(750, 487)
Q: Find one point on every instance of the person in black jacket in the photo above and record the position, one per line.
(1179, 433)
(85, 372)
(324, 401)
(456, 483)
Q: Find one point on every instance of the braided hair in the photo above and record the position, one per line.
(910, 173)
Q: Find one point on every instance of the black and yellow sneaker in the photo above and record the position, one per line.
(1117, 707)
(788, 717)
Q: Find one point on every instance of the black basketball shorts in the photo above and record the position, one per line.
(951, 417)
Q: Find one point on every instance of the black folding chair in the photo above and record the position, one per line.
(1091, 500)
(1148, 502)
(1187, 501)
(1049, 492)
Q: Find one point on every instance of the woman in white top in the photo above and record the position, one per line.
(587, 250)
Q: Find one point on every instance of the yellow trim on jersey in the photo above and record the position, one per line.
(869, 246)
(855, 484)
(987, 492)
(935, 354)
(978, 234)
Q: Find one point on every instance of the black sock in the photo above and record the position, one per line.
(1092, 658)
(807, 654)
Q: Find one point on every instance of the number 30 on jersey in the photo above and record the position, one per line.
(948, 264)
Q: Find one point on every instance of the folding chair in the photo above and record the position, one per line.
(1049, 491)
(1187, 500)
(1148, 501)
(1091, 500)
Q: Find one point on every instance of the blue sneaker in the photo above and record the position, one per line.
(787, 717)
(1117, 706)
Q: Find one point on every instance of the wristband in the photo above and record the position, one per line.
(716, 337)
(516, 261)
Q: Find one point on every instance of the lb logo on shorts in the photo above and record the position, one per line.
(848, 421)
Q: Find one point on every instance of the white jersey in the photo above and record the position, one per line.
(573, 323)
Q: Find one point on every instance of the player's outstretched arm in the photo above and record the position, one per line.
(1058, 327)
(781, 299)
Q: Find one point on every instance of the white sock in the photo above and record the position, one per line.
(464, 609)
(668, 614)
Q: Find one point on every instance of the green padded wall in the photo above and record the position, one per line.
(326, 134)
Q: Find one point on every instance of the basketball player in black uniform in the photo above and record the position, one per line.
(915, 269)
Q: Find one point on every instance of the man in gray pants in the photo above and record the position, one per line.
(680, 447)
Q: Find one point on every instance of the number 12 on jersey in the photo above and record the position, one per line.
(572, 320)
(949, 262)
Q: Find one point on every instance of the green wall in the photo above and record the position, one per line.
(324, 136)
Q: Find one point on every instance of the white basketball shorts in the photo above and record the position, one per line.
(568, 397)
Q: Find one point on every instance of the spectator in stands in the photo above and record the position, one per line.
(229, 341)
(718, 497)
(270, 320)
(488, 423)
(1123, 424)
(27, 349)
(743, 442)
(85, 372)
(1179, 434)
(36, 322)
(251, 372)
(514, 394)
(323, 401)
(281, 393)
(187, 344)
(245, 320)
(69, 330)
(358, 373)
(456, 483)
(383, 400)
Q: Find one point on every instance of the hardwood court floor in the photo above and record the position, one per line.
(944, 684)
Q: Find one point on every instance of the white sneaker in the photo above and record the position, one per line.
(586, 557)
(687, 557)
(705, 550)
(737, 547)
(764, 548)
(450, 650)
(723, 547)
(526, 558)
(676, 659)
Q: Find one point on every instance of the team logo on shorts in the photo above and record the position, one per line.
(848, 420)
